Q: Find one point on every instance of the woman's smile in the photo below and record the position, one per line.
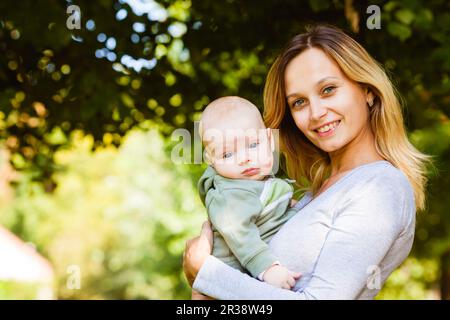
(328, 129)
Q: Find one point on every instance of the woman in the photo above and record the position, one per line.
(341, 127)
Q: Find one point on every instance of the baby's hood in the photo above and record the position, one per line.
(206, 182)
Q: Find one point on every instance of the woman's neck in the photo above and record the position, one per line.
(359, 151)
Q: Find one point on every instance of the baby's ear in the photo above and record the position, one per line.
(271, 139)
(207, 158)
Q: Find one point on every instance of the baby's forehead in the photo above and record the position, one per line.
(220, 139)
(233, 133)
(228, 120)
(234, 126)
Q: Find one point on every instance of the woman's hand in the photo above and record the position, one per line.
(198, 296)
(196, 252)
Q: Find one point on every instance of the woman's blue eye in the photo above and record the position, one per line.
(227, 155)
(298, 102)
(253, 145)
(328, 89)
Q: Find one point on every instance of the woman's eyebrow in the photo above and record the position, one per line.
(318, 83)
(325, 79)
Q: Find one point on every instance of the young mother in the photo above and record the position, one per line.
(341, 127)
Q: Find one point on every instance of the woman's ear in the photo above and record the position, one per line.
(271, 139)
(370, 97)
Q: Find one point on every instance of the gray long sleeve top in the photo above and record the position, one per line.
(345, 242)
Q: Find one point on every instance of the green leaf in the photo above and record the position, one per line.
(391, 5)
(399, 30)
(405, 16)
(319, 5)
(424, 18)
(56, 136)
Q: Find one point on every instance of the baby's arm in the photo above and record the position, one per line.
(233, 213)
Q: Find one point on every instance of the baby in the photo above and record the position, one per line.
(246, 204)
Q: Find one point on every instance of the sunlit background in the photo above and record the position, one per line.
(92, 205)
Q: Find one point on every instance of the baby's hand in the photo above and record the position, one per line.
(293, 202)
(281, 277)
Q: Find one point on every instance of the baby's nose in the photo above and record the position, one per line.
(244, 160)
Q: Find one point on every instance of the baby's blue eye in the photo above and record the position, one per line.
(328, 89)
(227, 155)
(253, 145)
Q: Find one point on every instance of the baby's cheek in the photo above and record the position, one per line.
(268, 163)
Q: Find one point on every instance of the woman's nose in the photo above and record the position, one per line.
(317, 110)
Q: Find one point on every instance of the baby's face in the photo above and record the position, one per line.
(242, 153)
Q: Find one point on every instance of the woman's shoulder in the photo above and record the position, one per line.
(382, 188)
(372, 180)
(382, 175)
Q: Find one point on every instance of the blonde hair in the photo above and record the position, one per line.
(303, 158)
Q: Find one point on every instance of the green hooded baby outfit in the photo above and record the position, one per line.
(245, 214)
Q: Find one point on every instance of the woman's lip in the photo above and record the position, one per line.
(250, 171)
(325, 124)
(329, 132)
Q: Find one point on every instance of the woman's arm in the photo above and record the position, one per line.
(196, 252)
(359, 238)
(197, 249)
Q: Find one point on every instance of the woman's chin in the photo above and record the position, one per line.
(330, 147)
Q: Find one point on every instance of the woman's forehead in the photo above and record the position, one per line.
(308, 69)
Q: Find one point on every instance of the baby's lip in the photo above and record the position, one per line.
(250, 171)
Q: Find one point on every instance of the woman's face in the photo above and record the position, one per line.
(329, 108)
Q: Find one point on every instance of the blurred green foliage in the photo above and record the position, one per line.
(122, 215)
(68, 97)
(14, 290)
(415, 279)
